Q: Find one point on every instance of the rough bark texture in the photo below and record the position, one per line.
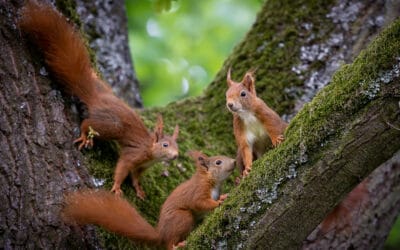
(371, 219)
(39, 163)
(105, 23)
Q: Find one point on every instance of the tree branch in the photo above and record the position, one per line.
(332, 144)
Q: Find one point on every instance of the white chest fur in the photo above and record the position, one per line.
(254, 130)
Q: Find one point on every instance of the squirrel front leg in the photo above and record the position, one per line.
(247, 157)
(207, 204)
(273, 124)
(244, 152)
(120, 173)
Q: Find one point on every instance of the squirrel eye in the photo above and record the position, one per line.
(243, 93)
(165, 145)
(218, 162)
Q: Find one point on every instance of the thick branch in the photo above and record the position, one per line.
(369, 218)
(332, 144)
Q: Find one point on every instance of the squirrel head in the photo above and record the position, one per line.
(165, 147)
(240, 95)
(218, 167)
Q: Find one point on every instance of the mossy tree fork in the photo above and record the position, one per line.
(350, 128)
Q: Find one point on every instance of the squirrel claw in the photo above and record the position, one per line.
(116, 191)
(246, 172)
(223, 197)
(82, 141)
(140, 194)
(278, 140)
(237, 180)
(180, 244)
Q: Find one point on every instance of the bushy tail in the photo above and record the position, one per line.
(110, 212)
(64, 50)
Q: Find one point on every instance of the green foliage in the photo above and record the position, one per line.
(177, 51)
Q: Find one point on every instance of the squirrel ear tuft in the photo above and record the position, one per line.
(228, 77)
(248, 81)
(203, 162)
(200, 158)
(158, 130)
(176, 132)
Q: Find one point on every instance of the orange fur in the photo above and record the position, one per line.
(109, 117)
(253, 121)
(178, 213)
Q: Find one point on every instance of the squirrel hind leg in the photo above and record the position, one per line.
(179, 228)
(135, 175)
(179, 245)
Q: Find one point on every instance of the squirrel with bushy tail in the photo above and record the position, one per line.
(110, 118)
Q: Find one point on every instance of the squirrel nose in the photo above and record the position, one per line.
(230, 105)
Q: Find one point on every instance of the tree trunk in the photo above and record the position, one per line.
(39, 163)
(296, 46)
(105, 23)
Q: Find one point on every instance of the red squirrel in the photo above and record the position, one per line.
(178, 214)
(253, 121)
(110, 118)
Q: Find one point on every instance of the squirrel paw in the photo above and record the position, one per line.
(84, 142)
(278, 140)
(246, 172)
(237, 180)
(140, 194)
(223, 197)
(87, 141)
(180, 244)
(116, 191)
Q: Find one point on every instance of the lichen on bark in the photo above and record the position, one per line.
(333, 144)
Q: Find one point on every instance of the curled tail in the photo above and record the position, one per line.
(110, 212)
(64, 50)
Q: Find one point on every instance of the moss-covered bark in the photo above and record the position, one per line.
(332, 144)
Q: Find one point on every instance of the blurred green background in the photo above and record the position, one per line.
(178, 47)
(178, 51)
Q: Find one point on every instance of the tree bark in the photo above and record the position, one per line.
(371, 219)
(106, 24)
(39, 163)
